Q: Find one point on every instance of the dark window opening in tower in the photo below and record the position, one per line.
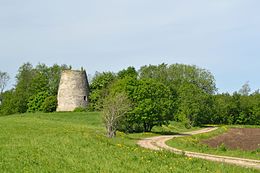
(85, 97)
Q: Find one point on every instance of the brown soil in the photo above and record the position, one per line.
(158, 143)
(237, 138)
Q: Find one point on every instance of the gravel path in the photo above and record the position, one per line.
(158, 143)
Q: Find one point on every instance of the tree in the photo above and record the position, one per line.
(4, 78)
(99, 89)
(245, 90)
(115, 108)
(194, 105)
(176, 75)
(50, 104)
(157, 72)
(237, 109)
(47, 78)
(129, 72)
(8, 104)
(35, 102)
(222, 105)
(53, 76)
(23, 89)
(31, 83)
(152, 103)
(255, 117)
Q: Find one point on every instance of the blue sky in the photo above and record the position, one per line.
(222, 36)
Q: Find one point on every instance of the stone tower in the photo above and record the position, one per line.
(73, 90)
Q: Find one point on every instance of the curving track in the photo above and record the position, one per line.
(158, 143)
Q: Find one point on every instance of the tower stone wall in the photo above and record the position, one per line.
(73, 90)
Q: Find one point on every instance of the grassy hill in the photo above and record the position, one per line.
(76, 142)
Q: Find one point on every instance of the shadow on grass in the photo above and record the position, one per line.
(140, 136)
(207, 126)
(168, 133)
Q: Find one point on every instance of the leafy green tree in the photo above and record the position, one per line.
(30, 83)
(50, 104)
(99, 89)
(101, 80)
(8, 104)
(202, 78)
(249, 113)
(22, 89)
(44, 85)
(234, 108)
(47, 78)
(36, 101)
(53, 76)
(129, 72)
(152, 103)
(176, 75)
(194, 105)
(39, 83)
(255, 117)
(237, 109)
(159, 73)
(222, 106)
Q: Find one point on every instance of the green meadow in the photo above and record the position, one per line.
(76, 142)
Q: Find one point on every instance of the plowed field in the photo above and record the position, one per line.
(237, 138)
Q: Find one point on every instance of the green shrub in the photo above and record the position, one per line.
(7, 104)
(80, 109)
(36, 101)
(222, 147)
(49, 104)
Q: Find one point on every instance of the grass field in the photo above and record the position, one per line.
(193, 143)
(76, 142)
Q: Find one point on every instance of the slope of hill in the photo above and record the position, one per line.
(76, 142)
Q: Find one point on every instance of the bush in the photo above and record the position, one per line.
(80, 109)
(222, 147)
(8, 104)
(36, 101)
(49, 104)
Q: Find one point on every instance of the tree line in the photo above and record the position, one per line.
(162, 93)
(154, 95)
(35, 90)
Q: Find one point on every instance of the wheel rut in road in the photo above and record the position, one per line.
(159, 143)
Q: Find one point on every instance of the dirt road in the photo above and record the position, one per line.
(158, 143)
